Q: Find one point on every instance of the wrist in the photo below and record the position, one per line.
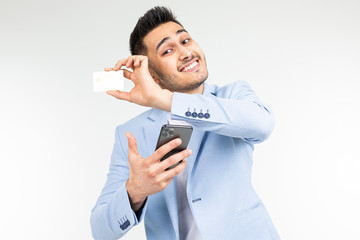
(163, 100)
(134, 197)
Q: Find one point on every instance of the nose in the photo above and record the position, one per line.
(184, 53)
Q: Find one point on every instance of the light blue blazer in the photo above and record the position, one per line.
(219, 190)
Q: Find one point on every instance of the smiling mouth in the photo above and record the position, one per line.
(192, 66)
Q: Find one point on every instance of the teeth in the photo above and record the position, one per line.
(190, 66)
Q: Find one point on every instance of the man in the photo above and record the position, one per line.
(208, 195)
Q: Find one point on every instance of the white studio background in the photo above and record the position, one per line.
(56, 135)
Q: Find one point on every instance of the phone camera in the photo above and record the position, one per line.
(171, 131)
(165, 134)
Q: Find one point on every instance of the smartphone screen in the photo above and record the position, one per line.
(169, 132)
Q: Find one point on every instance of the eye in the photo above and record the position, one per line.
(166, 52)
(186, 41)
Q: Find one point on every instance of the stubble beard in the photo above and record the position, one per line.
(171, 82)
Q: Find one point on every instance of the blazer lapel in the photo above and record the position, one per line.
(152, 130)
(171, 203)
(194, 145)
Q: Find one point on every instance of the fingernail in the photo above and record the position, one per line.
(189, 151)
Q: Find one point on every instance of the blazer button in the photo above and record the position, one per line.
(194, 114)
(206, 115)
(188, 114)
(200, 115)
(124, 223)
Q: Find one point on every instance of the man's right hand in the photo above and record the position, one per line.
(148, 176)
(146, 92)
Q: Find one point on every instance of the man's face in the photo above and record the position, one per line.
(176, 61)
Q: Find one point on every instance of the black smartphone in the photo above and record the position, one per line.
(169, 132)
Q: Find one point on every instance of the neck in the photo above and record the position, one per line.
(198, 90)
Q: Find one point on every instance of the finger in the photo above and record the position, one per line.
(119, 95)
(144, 64)
(144, 60)
(133, 150)
(119, 64)
(137, 62)
(168, 181)
(164, 149)
(174, 171)
(127, 74)
(170, 161)
(112, 69)
(129, 61)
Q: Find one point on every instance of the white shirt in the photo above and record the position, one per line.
(187, 227)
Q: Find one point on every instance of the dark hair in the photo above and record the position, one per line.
(151, 19)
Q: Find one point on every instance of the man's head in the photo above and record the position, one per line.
(176, 61)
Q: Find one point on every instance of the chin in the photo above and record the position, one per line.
(184, 84)
(192, 86)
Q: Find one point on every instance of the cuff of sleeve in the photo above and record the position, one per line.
(122, 216)
(198, 111)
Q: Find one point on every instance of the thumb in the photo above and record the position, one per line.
(132, 144)
(144, 64)
(144, 60)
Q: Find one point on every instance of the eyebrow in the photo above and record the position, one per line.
(167, 38)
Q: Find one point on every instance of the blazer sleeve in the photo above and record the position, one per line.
(233, 111)
(112, 215)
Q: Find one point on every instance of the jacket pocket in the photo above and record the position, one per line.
(249, 209)
(250, 222)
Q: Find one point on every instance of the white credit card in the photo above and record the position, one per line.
(104, 81)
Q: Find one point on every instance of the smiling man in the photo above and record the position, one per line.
(177, 61)
(208, 195)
